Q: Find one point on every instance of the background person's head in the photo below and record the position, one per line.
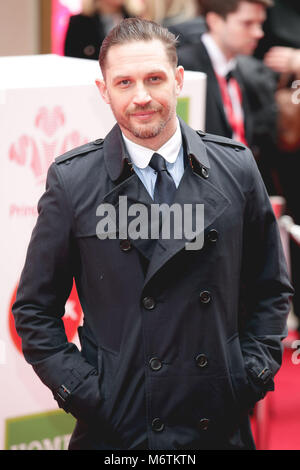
(141, 81)
(91, 7)
(168, 12)
(236, 25)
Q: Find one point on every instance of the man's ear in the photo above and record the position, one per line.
(103, 90)
(179, 77)
(214, 21)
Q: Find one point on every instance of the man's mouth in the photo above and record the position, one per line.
(143, 114)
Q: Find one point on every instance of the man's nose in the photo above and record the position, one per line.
(258, 32)
(142, 96)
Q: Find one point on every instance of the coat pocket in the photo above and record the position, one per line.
(108, 362)
(238, 374)
(89, 348)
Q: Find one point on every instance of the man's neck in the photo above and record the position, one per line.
(105, 9)
(157, 142)
(229, 55)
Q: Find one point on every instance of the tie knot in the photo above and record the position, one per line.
(229, 75)
(157, 162)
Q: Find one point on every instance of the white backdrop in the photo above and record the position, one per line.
(48, 105)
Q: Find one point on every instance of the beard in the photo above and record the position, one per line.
(144, 131)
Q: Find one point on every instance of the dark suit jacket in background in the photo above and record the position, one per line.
(85, 35)
(177, 345)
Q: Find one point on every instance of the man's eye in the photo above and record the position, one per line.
(154, 79)
(124, 82)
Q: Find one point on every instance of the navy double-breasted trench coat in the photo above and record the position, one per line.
(177, 345)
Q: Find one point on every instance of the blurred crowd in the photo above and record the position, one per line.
(250, 51)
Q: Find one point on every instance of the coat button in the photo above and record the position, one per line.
(89, 50)
(98, 141)
(204, 172)
(204, 424)
(201, 361)
(149, 303)
(155, 364)
(125, 245)
(205, 297)
(213, 236)
(157, 425)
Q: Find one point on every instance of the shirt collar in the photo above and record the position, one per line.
(221, 65)
(141, 156)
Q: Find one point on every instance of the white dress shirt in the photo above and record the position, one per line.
(171, 151)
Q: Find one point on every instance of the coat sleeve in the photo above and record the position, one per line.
(70, 44)
(265, 288)
(44, 288)
(75, 38)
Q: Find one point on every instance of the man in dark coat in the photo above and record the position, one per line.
(182, 334)
(223, 52)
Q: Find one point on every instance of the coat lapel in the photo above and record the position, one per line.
(213, 85)
(135, 193)
(193, 189)
(127, 184)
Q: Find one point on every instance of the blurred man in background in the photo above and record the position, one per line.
(240, 89)
(87, 30)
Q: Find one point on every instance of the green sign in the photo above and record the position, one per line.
(183, 108)
(44, 431)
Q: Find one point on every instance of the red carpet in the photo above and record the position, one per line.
(276, 424)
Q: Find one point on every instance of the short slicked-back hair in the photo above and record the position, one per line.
(136, 29)
(224, 7)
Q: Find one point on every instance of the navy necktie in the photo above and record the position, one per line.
(165, 188)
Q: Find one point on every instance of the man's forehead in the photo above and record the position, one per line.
(132, 52)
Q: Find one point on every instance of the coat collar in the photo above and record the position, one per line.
(213, 85)
(115, 155)
(117, 161)
(194, 145)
